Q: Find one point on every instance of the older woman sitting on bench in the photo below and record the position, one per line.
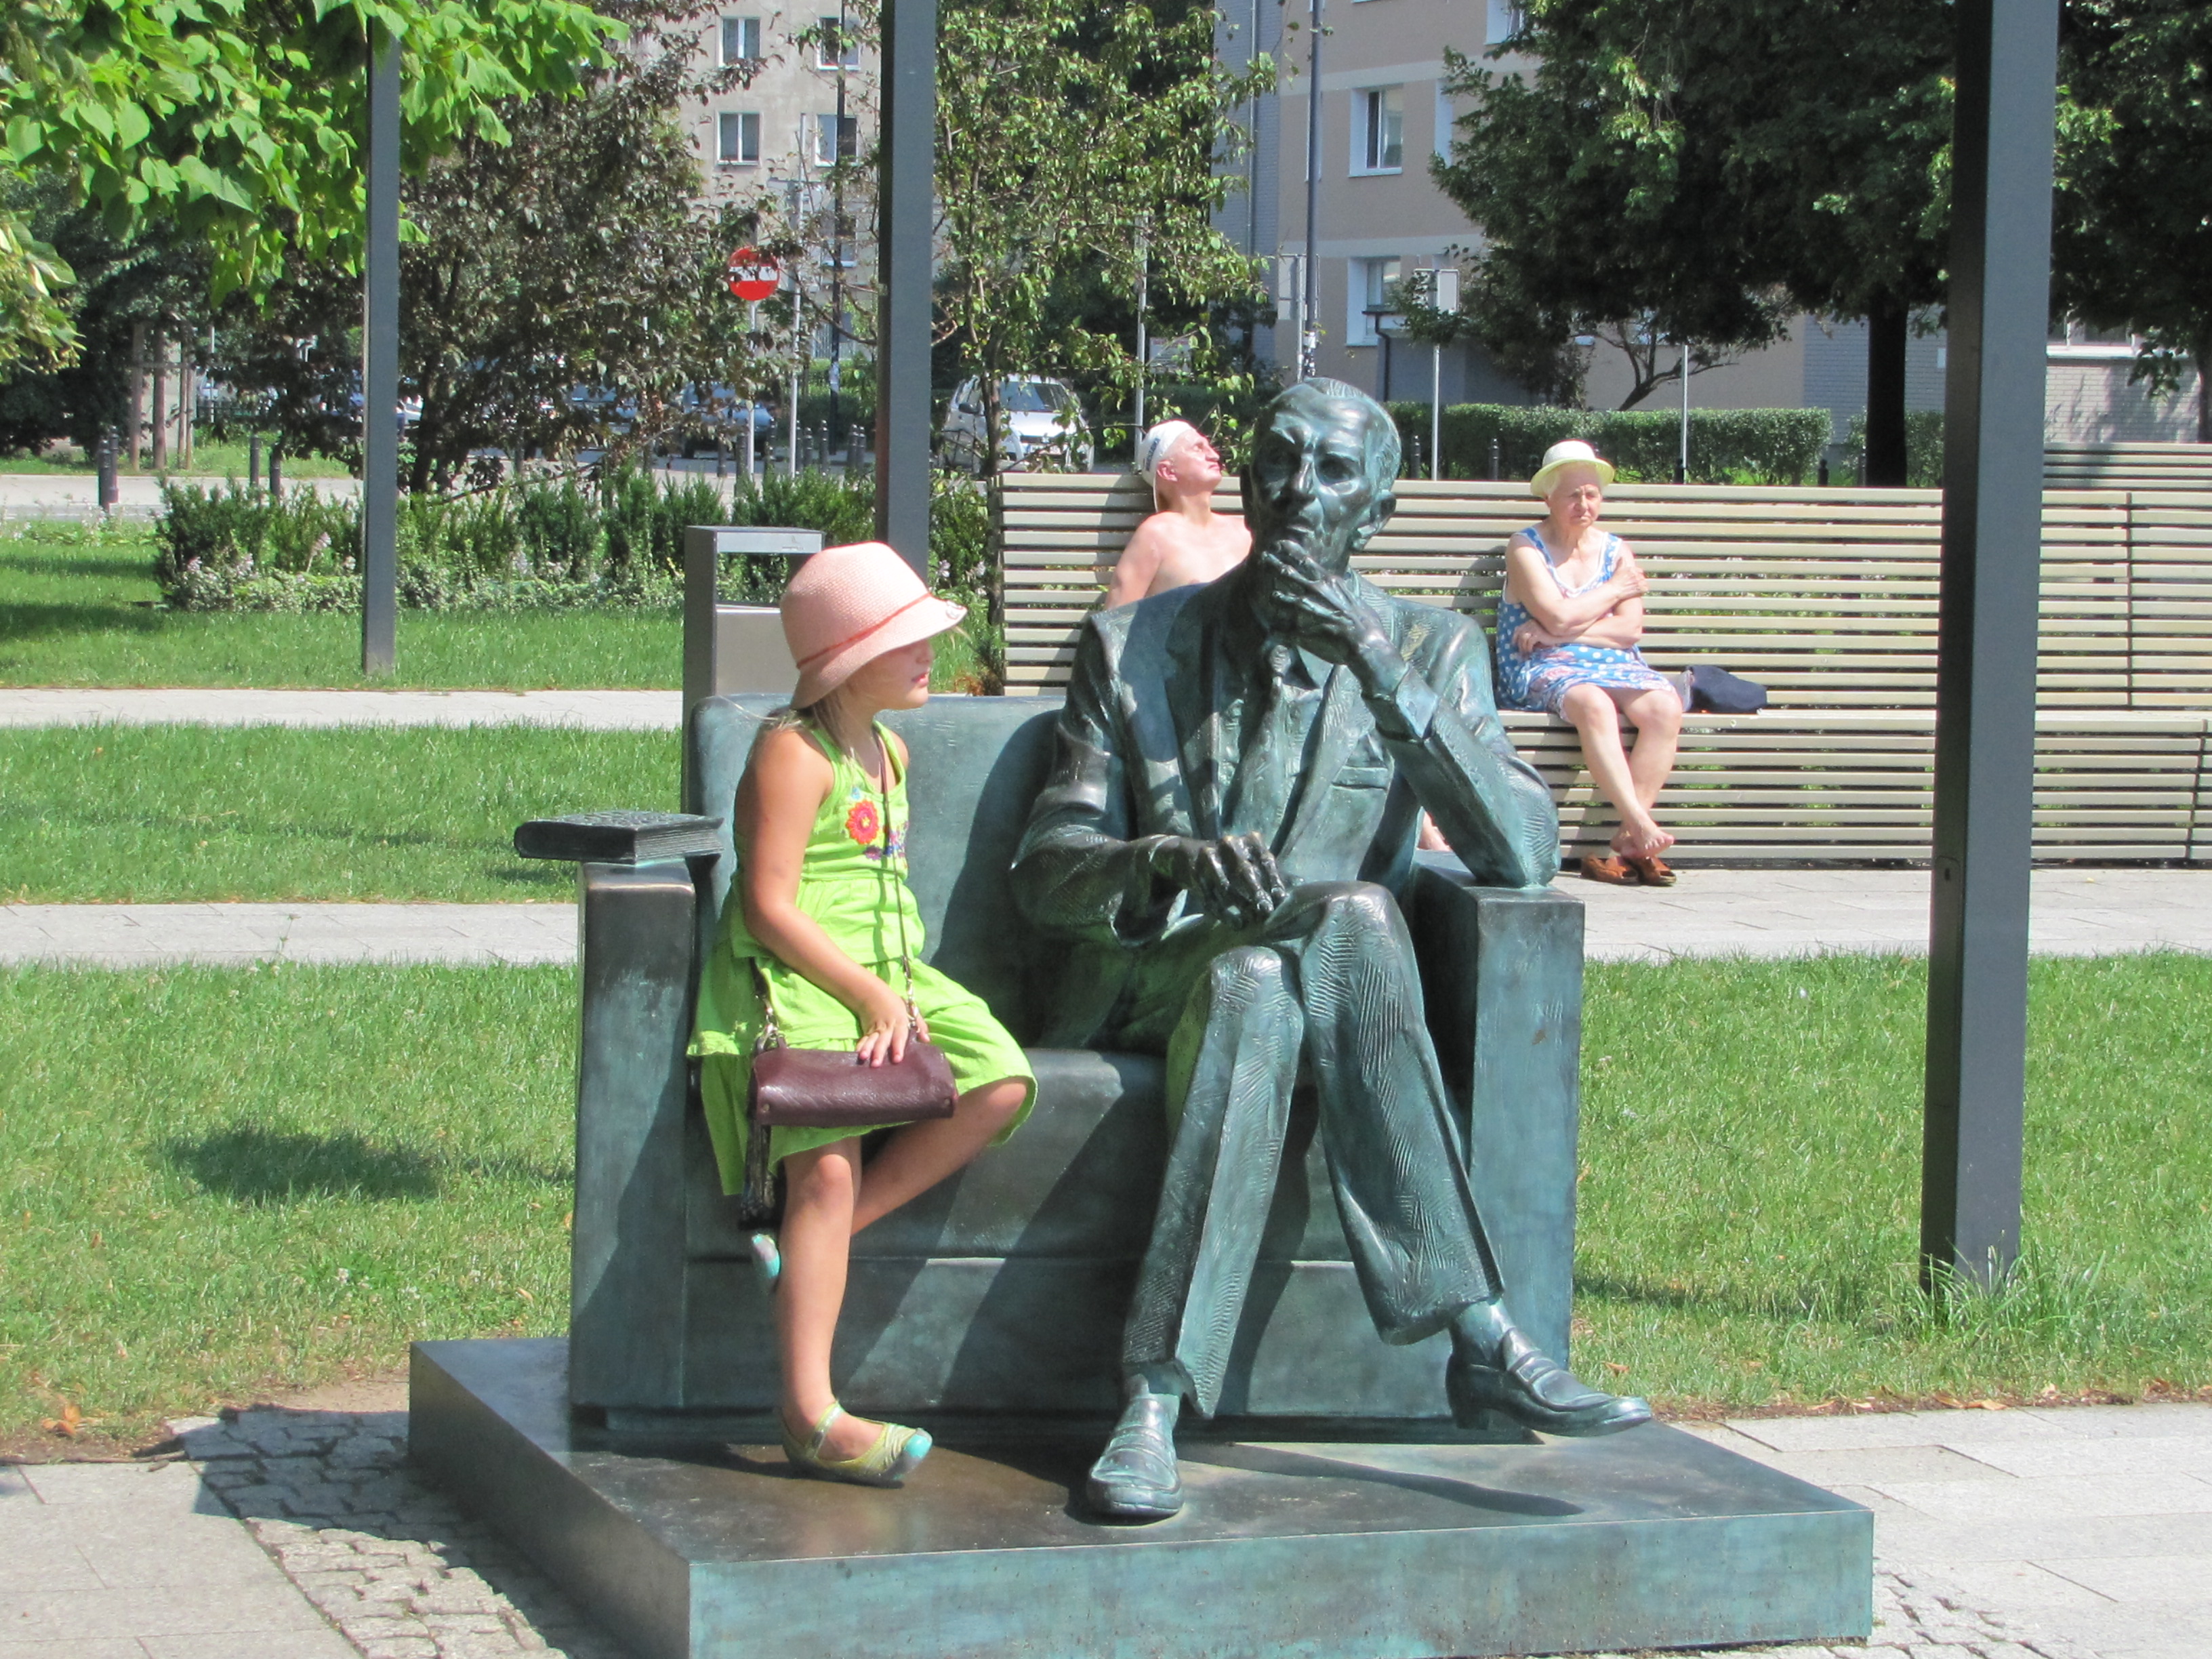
(1568, 626)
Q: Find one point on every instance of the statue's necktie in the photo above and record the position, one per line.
(1278, 721)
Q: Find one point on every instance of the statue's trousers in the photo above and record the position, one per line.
(1331, 979)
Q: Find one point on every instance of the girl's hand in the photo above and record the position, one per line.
(884, 1016)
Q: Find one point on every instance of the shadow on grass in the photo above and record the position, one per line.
(39, 621)
(256, 1165)
(265, 1166)
(115, 566)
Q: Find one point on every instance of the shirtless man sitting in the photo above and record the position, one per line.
(1185, 541)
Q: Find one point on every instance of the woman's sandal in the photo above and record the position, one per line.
(1609, 869)
(768, 1260)
(896, 1454)
(1652, 871)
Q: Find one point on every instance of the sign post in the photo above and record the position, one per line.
(753, 277)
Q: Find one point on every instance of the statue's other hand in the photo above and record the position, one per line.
(1322, 611)
(1235, 879)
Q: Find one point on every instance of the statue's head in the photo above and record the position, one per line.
(1324, 459)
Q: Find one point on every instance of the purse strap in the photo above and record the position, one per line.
(771, 1033)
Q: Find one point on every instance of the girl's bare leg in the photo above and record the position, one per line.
(1656, 715)
(1597, 718)
(918, 1157)
(820, 1187)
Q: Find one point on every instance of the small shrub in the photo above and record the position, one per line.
(1727, 445)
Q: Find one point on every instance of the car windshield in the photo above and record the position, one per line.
(1033, 397)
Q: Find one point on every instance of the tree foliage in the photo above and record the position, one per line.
(1070, 132)
(570, 252)
(1695, 169)
(2132, 240)
(241, 122)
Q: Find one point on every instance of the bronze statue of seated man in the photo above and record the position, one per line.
(1237, 788)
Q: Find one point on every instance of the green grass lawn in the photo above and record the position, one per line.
(1750, 1197)
(175, 813)
(78, 607)
(217, 1180)
(210, 460)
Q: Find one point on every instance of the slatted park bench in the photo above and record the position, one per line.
(1827, 596)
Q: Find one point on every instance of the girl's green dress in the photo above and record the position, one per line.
(849, 884)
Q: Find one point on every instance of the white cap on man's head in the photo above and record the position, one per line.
(1152, 448)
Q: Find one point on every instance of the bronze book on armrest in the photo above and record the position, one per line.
(619, 837)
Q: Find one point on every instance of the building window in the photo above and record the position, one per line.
(1442, 141)
(1368, 291)
(1378, 130)
(741, 41)
(837, 138)
(739, 138)
(1505, 22)
(835, 46)
(2074, 340)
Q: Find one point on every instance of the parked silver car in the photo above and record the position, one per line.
(1041, 427)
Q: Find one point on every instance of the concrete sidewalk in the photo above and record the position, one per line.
(599, 711)
(1711, 913)
(2073, 1533)
(138, 494)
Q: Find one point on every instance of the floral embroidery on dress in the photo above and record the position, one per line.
(866, 826)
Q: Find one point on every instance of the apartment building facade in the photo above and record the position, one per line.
(1377, 215)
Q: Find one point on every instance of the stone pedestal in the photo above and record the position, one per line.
(706, 1546)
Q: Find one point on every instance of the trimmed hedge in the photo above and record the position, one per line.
(1727, 445)
(616, 542)
(1923, 447)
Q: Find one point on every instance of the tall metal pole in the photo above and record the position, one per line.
(1144, 270)
(837, 237)
(1682, 463)
(379, 379)
(906, 192)
(1999, 292)
(1308, 331)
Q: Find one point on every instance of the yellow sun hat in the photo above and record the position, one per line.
(1573, 452)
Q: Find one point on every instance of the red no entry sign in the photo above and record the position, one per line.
(753, 275)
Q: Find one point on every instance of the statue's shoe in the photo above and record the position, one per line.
(1135, 1478)
(1528, 1385)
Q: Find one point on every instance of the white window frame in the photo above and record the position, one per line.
(744, 124)
(1371, 111)
(848, 41)
(1365, 280)
(1501, 21)
(826, 135)
(742, 28)
(1440, 132)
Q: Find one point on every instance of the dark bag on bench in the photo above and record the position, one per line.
(1712, 691)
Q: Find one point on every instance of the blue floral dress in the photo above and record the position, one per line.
(1541, 679)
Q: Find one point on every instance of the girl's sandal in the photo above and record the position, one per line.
(1652, 871)
(1609, 869)
(896, 1454)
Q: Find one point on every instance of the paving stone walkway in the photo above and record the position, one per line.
(596, 711)
(1711, 913)
(2081, 1533)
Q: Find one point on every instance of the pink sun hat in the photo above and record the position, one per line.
(847, 606)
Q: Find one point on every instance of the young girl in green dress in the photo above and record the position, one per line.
(817, 902)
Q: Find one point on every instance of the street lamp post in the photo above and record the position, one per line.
(1443, 295)
(379, 376)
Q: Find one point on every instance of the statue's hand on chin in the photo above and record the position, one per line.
(1235, 879)
(1320, 610)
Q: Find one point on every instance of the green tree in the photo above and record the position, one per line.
(571, 252)
(1069, 132)
(241, 122)
(2132, 237)
(1705, 164)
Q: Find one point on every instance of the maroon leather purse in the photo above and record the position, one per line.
(835, 1088)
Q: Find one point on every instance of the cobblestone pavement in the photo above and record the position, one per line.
(405, 1575)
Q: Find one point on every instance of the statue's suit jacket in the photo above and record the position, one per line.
(1150, 745)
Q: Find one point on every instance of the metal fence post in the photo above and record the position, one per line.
(2000, 291)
